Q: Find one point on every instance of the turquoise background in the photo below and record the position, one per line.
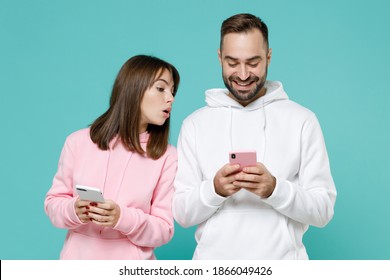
(58, 61)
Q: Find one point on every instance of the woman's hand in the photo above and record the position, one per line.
(104, 214)
(82, 208)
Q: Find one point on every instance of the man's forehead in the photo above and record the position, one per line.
(249, 42)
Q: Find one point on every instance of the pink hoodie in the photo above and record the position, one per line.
(142, 187)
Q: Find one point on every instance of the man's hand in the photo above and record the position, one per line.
(256, 179)
(223, 180)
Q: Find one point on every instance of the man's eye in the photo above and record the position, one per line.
(232, 64)
(253, 64)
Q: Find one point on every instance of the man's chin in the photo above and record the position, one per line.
(243, 95)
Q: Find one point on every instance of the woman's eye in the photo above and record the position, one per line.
(160, 89)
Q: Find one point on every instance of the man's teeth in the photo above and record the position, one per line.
(243, 84)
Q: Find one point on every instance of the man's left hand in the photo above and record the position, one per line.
(256, 179)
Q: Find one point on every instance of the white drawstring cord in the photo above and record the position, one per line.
(265, 137)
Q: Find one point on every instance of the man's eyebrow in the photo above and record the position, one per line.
(230, 57)
(257, 57)
(249, 59)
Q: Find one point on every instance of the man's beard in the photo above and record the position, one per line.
(245, 95)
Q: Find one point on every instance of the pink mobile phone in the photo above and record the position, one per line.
(243, 158)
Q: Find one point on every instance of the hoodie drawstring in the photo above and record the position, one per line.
(231, 127)
(219, 98)
(116, 194)
(263, 132)
(264, 135)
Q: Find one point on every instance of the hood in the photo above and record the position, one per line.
(218, 97)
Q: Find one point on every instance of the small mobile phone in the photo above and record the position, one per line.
(243, 157)
(89, 193)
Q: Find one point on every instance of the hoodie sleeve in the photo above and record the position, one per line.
(195, 199)
(59, 202)
(311, 200)
(157, 227)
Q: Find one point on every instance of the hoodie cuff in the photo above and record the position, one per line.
(209, 196)
(281, 196)
(126, 221)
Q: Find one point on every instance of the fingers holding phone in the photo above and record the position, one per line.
(104, 214)
(224, 178)
(81, 209)
(92, 207)
(254, 176)
(256, 179)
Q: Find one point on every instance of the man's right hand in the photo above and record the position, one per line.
(223, 180)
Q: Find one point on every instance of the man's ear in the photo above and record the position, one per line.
(220, 56)
(269, 55)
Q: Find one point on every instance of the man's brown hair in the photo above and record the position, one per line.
(242, 23)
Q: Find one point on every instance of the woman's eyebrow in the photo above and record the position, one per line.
(162, 80)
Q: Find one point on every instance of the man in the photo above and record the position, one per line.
(262, 211)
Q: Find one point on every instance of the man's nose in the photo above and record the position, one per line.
(243, 73)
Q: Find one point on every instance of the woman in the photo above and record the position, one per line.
(125, 153)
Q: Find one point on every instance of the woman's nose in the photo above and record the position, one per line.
(169, 97)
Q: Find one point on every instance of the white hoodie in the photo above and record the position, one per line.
(289, 142)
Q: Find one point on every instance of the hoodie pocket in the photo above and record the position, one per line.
(246, 234)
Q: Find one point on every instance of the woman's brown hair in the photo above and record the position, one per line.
(123, 116)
